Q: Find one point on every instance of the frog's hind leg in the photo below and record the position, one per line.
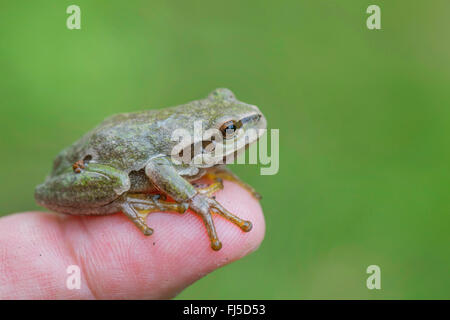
(222, 172)
(212, 188)
(217, 208)
(136, 218)
(137, 207)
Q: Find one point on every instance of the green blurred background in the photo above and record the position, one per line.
(363, 118)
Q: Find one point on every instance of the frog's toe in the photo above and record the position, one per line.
(246, 226)
(138, 206)
(147, 231)
(216, 245)
(184, 207)
(137, 218)
(217, 208)
(257, 195)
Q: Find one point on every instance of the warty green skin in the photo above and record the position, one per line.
(130, 154)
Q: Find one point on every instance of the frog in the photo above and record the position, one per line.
(126, 164)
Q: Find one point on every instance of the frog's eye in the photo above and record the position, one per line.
(229, 128)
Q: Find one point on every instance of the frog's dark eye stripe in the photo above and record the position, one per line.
(251, 118)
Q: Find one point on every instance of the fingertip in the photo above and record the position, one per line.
(178, 252)
(119, 261)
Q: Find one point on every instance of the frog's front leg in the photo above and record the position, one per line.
(162, 173)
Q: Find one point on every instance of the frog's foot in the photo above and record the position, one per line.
(204, 206)
(227, 174)
(138, 206)
(212, 188)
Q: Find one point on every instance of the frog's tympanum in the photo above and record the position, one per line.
(126, 163)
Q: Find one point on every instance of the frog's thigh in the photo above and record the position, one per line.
(138, 206)
(94, 186)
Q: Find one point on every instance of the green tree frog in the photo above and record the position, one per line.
(126, 163)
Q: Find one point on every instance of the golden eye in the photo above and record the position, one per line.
(228, 129)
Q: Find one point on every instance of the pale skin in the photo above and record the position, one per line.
(117, 262)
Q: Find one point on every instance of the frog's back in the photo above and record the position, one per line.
(124, 141)
(128, 141)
